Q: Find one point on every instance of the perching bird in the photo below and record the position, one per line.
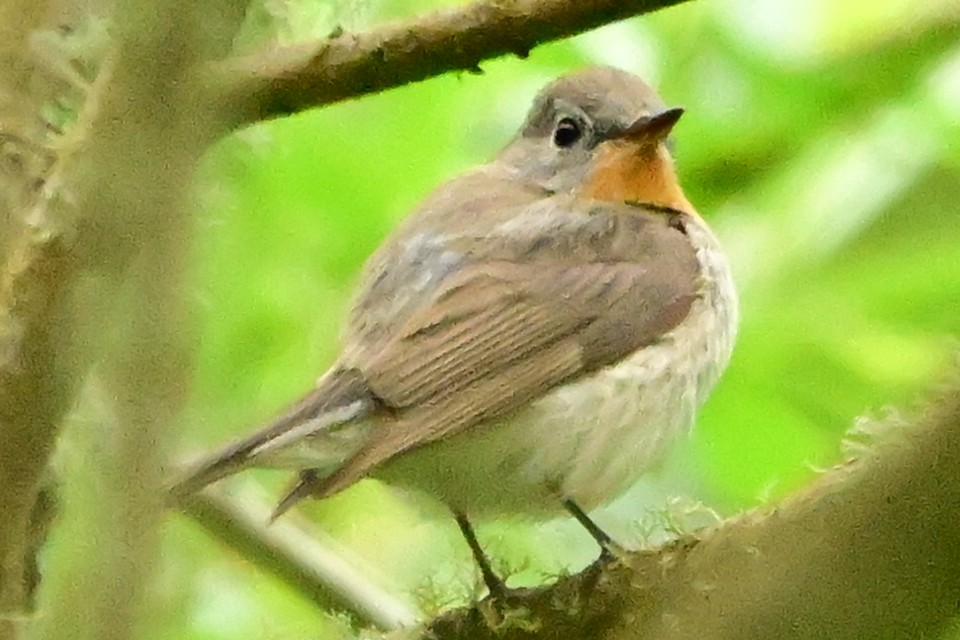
(533, 335)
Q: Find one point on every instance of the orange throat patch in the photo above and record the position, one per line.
(627, 172)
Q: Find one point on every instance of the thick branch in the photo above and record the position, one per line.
(871, 550)
(285, 80)
(128, 182)
(32, 393)
(33, 396)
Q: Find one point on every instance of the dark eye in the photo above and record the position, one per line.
(567, 133)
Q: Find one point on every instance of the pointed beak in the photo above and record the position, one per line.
(649, 129)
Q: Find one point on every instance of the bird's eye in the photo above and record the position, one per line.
(567, 133)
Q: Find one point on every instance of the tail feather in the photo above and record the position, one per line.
(340, 397)
(301, 489)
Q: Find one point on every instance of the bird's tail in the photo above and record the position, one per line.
(315, 436)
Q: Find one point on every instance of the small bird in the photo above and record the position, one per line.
(533, 336)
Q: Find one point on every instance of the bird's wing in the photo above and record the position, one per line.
(528, 316)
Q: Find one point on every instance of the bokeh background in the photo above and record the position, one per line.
(822, 142)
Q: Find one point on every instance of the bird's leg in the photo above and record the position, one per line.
(608, 548)
(496, 586)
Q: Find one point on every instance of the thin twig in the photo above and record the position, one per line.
(307, 562)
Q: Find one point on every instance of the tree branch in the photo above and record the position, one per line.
(286, 80)
(871, 550)
(32, 389)
(302, 560)
(127, 222)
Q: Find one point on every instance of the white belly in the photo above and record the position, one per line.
(590, 440)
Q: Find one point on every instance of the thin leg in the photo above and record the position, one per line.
(494, 584)
(606, 543)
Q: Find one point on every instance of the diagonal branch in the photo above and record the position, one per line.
(871, 550)
(304, 561)
(286, 80)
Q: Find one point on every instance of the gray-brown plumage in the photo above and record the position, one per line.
(536, 331)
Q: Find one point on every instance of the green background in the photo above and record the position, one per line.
(821, 141)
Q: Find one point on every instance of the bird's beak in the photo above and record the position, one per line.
(649, 130)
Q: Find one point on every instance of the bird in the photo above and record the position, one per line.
(532, 337)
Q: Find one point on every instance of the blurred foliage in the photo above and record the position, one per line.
(822, 142)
